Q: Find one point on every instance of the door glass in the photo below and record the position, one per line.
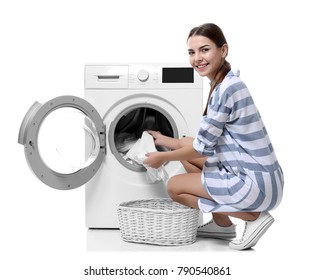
(67, 140)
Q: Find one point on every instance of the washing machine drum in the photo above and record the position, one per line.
(142, 119)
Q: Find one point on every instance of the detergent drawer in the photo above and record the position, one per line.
(106, 76)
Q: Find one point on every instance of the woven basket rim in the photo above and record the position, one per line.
(124, 205)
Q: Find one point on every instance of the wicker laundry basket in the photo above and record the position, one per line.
(157, 221)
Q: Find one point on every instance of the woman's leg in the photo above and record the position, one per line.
(194, 166)
(188, 188)
(245, 216)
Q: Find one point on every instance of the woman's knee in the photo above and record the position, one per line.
(172, 188)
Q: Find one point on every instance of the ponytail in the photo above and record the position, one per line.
(221, 74)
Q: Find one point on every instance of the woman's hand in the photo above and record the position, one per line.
(157, 137)
(162, 140)
(154, 160)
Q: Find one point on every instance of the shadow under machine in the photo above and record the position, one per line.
(70, 141)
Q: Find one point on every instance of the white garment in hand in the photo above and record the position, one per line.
(138, 153)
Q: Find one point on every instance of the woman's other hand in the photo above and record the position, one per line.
(154, 160)
(157, 137)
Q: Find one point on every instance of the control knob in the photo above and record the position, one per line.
(143, 75)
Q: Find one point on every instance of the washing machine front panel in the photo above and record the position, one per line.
(64, 141)
(174, 91)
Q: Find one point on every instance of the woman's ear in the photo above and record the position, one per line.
(224, 50)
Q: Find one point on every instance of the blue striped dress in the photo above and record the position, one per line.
(241, 172)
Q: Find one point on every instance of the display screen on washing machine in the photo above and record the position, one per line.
(178, 75)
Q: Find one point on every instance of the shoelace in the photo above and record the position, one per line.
(245, 228)
(210, 222)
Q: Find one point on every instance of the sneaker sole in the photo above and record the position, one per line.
(256, 235)
(226, 235)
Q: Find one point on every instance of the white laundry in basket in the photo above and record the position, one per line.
(138, 153)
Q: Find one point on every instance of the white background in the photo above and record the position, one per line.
(44, 46)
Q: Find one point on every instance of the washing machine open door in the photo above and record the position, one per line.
(64, 141)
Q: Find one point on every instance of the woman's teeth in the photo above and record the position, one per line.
(201, 66)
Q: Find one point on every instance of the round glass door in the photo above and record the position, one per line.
(64, 141)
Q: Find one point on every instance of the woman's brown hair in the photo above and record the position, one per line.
(215, 34)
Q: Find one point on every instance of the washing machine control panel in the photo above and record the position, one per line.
(161, 76)
(138, 76)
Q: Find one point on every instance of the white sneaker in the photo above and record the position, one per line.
(212, 230)
(253, 231)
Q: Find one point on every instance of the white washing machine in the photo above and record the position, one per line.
(70, 141)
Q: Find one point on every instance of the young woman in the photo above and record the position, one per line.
(232, 169)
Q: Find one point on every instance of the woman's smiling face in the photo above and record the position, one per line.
(205, 57)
